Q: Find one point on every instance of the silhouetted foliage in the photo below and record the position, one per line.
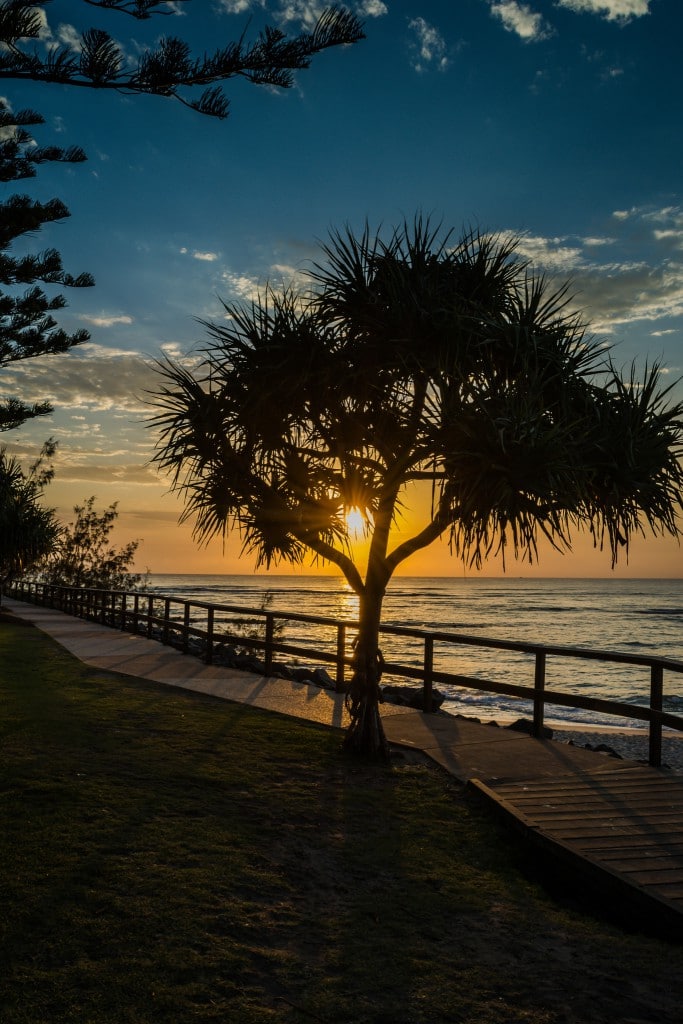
(415, 359)
(83, 555)
(27, 529)
(169, 68)
(27, 326)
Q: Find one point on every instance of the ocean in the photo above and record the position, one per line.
(642, 617)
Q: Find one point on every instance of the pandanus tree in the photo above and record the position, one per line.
(28, 530)
(414, 359)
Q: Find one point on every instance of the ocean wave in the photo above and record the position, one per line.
(660, 611)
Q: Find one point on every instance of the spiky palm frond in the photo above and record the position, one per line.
(415, 358)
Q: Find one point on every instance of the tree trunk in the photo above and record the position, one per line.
(365, 734)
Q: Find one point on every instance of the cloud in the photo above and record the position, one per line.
(241, 286)
(623, 214)
(372, 9)
(619, 294)
(70, 470)
(70, 37)
(428, 46)
(106, 321)
(239, 6)
(205, 257)
(93, 378)
(664, 224)
(520, 19)
(594, 242)
(551, 253)
(622, 291)
(304, 12)
(621, 11)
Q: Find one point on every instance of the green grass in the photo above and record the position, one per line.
(168, 857)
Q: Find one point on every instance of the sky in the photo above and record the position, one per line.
(557, 120)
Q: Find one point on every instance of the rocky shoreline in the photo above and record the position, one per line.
(631, 744)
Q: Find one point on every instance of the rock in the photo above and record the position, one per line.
(321, 677)
(526, 725)
(228, 652)
(602, 748)
(302, 675)
(281, 670)
(411, 697)
(248, 663)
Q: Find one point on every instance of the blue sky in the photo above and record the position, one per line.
(556, 119)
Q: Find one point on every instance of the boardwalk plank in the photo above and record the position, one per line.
(625, 826)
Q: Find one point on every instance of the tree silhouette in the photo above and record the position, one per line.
(415, 359)
(96, 61)
(170, 68)
(27, 326)
(84, 556)
(27, 529)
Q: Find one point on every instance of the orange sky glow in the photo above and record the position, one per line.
(167, 547)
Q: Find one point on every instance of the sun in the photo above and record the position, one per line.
(356, 523)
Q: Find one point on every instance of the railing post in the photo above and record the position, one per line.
(136, 609)
(186, 627)
(339, 684)
(656, 696)
(123, 612)
(209, 636)
(539, 687)
(428, 669)
(270, 633)
(167, 613)
(150, 615)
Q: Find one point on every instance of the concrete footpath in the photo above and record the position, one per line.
(466, 749)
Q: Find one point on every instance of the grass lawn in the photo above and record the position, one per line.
(169, 857)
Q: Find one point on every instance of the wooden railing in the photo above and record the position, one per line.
(174, 621)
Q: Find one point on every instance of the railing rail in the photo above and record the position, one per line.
(125, 610)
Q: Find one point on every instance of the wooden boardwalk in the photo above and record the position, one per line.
(621, 831)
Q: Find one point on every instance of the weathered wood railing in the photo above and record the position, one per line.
(139, 613)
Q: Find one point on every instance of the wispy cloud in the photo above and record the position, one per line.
(428, 46)
(372, 9)
(522, 20)
(93, 378)
(304, 12)
(70, 37)
(664, 224)
(239, 6)
(241, 286)
(621, 11)
(105, 321)
(198, 254)
(621, 291)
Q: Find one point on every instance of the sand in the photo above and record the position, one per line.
(627, 743)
